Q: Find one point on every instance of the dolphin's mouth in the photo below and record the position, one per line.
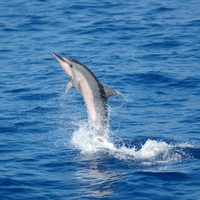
(58, 57)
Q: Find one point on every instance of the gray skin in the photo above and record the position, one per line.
(94, 93)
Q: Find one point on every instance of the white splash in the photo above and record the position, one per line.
(85, 140)
(151, 152)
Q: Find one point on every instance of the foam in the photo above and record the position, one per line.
(151, 152)
(85, 140)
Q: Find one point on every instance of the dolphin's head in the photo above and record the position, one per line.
(66, 63)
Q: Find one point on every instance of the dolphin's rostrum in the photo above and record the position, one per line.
(94, 93)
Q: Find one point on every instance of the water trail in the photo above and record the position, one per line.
(85, 140)
(150, 152)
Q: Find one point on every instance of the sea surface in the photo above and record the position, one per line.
(149, 52)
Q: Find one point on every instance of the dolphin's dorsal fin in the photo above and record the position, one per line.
(109, 91)
(68, 87)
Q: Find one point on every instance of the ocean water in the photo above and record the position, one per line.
(149, 51)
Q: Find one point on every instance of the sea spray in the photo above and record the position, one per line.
(151, 152)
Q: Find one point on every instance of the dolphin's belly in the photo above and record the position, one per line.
(87, 94)
(96, 106)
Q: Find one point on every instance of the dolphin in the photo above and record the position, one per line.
(94, 93)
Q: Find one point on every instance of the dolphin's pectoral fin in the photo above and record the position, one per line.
(69, 85)
(109, 91)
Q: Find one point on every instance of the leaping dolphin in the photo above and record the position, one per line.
(94, 93)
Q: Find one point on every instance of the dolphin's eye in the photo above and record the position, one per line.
(71, 65)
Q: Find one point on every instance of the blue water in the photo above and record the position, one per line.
(149, 51)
